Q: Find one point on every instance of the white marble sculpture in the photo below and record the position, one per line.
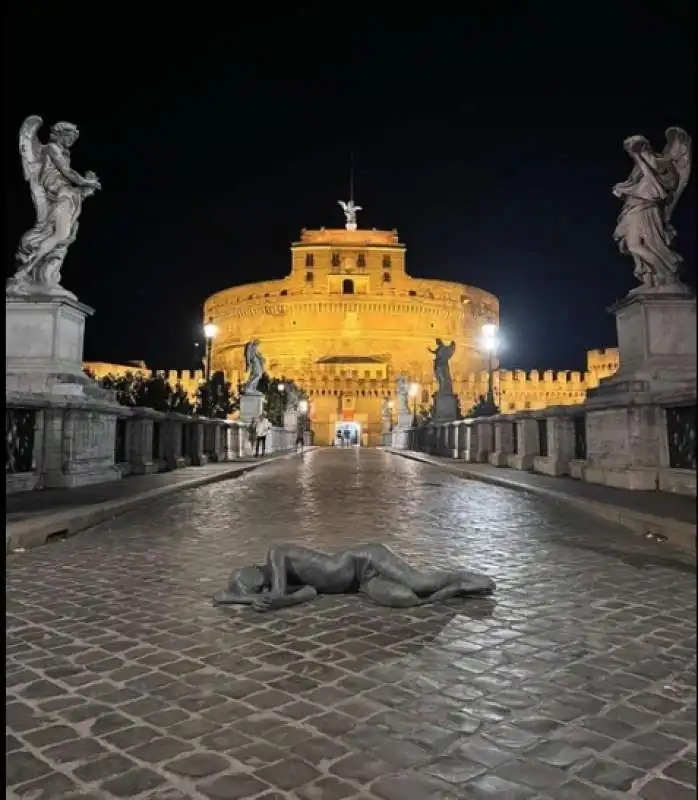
(650, 194)
(254, 364)
(442, 355)
(350, 210)
(403, 395)
(57, 192)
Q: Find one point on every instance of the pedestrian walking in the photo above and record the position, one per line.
(300, 435)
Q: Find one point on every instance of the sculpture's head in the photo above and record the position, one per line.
(247, 581)
(65, 133)
(439, 342)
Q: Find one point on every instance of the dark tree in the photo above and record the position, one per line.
(215, 398)
(482, 409)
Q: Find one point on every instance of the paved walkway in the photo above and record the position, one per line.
(577, 680)
(662, 512)
(33, 517)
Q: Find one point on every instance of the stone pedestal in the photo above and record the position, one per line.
(75, 435)
(404, 419)
(445, 408)
(291, 419)
(626, 428)
(44, 345)
(251, 406)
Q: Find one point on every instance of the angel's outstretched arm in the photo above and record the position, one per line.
(64, 168)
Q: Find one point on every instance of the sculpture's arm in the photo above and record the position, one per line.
(276, 559)
(66, 170)
(650, 174)
(269, 602)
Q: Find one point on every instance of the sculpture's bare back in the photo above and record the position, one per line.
(57, 192)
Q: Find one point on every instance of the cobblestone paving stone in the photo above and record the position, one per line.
(576, 681)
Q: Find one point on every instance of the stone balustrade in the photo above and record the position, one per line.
(551, 441)
(69, 443)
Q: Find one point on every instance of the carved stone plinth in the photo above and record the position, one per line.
(251, 406)
(626, 427)
(445, 408)
(44, 344)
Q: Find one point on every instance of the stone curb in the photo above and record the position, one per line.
(681, 534)
(34, 532)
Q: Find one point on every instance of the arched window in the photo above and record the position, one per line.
(361, 260)
(309, 260)
(308, 277)
(412, 293)
(387, 263)
(386, 277)
(347, 286)
(335, 259)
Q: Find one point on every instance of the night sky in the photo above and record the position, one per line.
(490, 137)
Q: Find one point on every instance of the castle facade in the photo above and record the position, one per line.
(348, 320)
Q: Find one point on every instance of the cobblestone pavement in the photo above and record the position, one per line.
(577, 681)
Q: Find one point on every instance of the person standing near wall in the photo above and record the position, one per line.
(262, 428)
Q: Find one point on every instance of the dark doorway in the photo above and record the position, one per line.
(347, 286)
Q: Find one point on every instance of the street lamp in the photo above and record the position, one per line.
(210, 331)
(490, 343)
(413, 391)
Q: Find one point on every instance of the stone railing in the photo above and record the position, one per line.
(552, 441)
(69, 443)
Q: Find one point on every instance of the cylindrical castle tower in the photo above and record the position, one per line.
(346, 322)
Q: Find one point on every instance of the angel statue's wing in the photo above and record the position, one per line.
(31, 152)
(342, 204)
(678, 149)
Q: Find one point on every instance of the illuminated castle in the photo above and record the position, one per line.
(348, 320)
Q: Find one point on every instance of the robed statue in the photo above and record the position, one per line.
(442, 355)
(254, 364)
(403, 395)
(650, 194)
(57, 192)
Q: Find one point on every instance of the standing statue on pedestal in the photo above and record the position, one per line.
(254, 364)
(57, 192)
(350, 210)
(442, 355)
(650, 195)
(403, 395)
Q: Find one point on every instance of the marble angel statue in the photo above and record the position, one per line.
(442, 355)
(254, 364)
(57, 192)
(650, 194)
(403, 395)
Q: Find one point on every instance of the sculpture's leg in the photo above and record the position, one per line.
(393, 568)
(396, 595)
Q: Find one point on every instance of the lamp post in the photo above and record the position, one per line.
(414, 390)
(210, 331)
(490, 342)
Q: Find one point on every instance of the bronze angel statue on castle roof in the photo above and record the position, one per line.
(650, 194)
(57, 192)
